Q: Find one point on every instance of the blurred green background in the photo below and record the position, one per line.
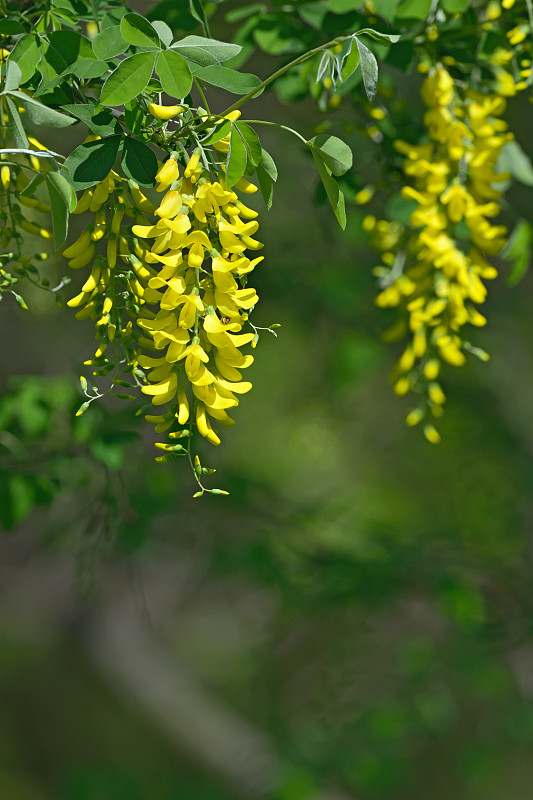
(354, 622)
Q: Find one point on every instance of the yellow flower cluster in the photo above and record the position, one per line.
(110, 293)
(201, 299)
(435, 274)
(511, 61)
(15, 266)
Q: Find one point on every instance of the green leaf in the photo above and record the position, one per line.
(198, 13)
(237, 158)
(139, 161)
(369, 70)
(134, 116)
(128, 80)
(268, 164)
(109, 43)
(136, 30)
(13, 76)
(388, 37)
(513, 160)
(205, 52)
(314, 13)
(335, 196)
(10, 27)
(163, 31)
(455, 6)
(519, 250)
(16, 128)
(33, 185)
(41, 114)
(91, 162)
(62, 200)
(220, 130)
(102, 123)
(26, 54)
(335, 153)
(251, 142)
(174, 74)
(83, 68)
(63, 188)
(413, 9)
(228, 79)
(267, 174)
(86, 68)
(62, 49)
(386, 8)
(351, 62)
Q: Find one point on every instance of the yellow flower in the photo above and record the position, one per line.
(164, 112)
(166, 174)
(430, 275)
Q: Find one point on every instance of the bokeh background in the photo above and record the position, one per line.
(354, 622)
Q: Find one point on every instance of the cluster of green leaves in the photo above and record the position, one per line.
(61, 77)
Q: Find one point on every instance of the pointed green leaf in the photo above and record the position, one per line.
(16, 128)
(63, 188)
(205, 52)
(102, 123)
(236, 159)
(136, 30)
(91, 162)
(228, 79)
(41, 114)
(86, 68)
(336, 153)
(174, 74)
(26, 54)
(369, 70)
(389, 37)
(335, 196)
(351, 62)
(139, 161)
(251, 142)
(10, 27)
(62, 200)
(163, 31)
(128, 80)
(13, 76)
(33, 185)
(109, 43)
(268, 164)
(197, 11)
(221, 130)
(267, 174)
(62, 49)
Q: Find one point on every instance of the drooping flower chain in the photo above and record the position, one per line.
(15, 266)
(201, 301)
(435, 273)
(113, 293)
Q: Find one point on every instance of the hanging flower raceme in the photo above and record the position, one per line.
(510, 24)
(113, 292)
(434, 271)
(19, 216)
(200, 299)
